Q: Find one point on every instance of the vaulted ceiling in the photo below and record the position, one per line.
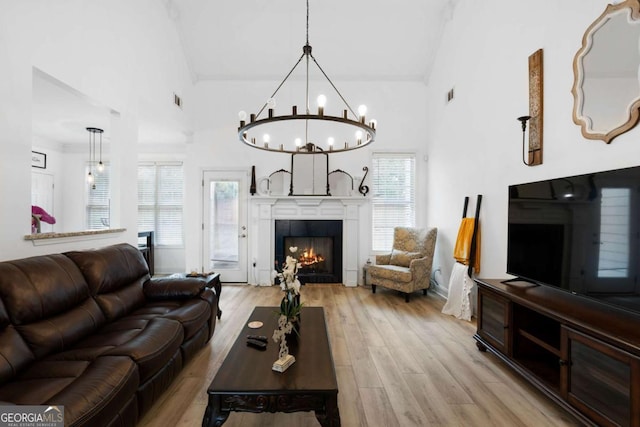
(351, 39)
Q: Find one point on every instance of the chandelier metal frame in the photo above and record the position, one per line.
(368, 129)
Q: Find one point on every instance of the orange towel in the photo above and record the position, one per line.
(462, 250)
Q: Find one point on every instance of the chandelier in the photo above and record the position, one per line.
(299, 132)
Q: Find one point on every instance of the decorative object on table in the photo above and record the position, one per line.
(363, 189)
(350, 126)
(256, 324)
(289, 312)
(252, 188)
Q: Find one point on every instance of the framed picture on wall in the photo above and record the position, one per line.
(38, 160)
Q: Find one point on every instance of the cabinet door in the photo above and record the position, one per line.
(494, 319)
(600, 380)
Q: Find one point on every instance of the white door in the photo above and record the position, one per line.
(42, 195)
(225, 224)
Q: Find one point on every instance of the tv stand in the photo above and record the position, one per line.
(581, 353)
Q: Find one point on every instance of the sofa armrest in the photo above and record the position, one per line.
(163, 288)
(383, 259)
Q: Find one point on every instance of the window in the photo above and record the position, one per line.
(393, 196)
(97, 207)
(160, 195)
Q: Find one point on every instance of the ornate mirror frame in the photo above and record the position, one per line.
(633, 109)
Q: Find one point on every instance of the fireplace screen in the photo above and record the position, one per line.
(314, 255)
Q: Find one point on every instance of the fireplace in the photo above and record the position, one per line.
(319, 244)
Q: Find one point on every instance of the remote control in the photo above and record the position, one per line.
(257, 337)
(260, 345)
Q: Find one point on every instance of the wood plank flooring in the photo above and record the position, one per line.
(397, 364)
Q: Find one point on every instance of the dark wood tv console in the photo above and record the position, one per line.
(582, 354)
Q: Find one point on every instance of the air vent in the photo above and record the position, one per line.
(450, 95)
(177, 100)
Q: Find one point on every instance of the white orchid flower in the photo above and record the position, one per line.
(293, 249)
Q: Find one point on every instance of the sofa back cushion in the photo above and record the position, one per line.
(48, 302)
(115, 275)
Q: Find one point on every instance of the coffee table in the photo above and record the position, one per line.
(246, 383)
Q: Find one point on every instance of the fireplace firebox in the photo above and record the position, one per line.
(319, 244)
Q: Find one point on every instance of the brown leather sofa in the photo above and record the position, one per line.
(89, 330)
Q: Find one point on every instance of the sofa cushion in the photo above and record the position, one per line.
(151, 343)
(403, 258)
(115, 275)
(89, 390)
(48, 301)
(391, 272)
(192, 314)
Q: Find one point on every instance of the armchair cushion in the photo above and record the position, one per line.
(403, 258)
(391, 272)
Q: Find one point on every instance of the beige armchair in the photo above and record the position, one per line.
(408, 267)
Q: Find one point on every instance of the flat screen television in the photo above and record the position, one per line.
(580, 234)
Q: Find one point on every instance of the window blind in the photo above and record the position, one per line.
(97, 206)
(160, 200)
(393, 196)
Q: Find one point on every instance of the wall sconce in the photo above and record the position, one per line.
(523, 120)
(92, 155)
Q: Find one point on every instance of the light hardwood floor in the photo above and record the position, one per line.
(397, 364)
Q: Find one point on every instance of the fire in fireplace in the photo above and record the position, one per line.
(319, 244)
(315, 254)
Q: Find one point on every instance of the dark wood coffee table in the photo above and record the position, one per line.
(246, 383)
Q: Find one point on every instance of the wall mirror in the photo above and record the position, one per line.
(310, 174)
(606, 87)
(60, 116)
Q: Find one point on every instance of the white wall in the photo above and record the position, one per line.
(123, 54)
(475, 142)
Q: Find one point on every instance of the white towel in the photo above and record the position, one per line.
(460, 285)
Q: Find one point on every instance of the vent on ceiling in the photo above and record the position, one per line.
(177, 100)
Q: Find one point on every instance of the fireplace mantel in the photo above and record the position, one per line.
(266, 209)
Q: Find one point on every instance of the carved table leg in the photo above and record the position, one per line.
(213, 416)
(331, 416)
